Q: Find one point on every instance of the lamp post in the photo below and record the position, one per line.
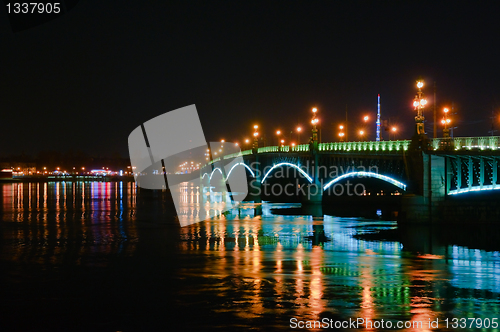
(361, 135)
(446, 121)
(314, 122)
(341, 133)
(394, 130)
(256, 137)
(365, 121)
(418, 103)
(299, 129)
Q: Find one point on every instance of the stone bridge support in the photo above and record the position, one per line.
(429, 175)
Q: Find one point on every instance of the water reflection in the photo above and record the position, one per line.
(60, 222)
(279, 267)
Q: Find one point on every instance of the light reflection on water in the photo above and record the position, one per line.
(254, 266)
(56, 221)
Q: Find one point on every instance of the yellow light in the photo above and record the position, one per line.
(278, 132)
(341, 127)
(423, 102)
(446, 110)
(341, 134)
(255, 127)
(448, 120)
(361, 132)
(443, 122)
(222, 141)
(415, 103)
(366, 118)
(293, 144)
(394, 129)
(282, 141)
(299, 129)
(236, 144)
(420, 84)
(247, 140)
(314, 110)
(256, 134)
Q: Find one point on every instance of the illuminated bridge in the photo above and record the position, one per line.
(425, 174)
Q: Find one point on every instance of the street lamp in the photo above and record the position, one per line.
(278, 133)
(418, 103)
(445, 122)
(365, 119)
(393, 130)
(341, 134)
(299, 129)
(361, 133)
(314, 122)
(255, 135)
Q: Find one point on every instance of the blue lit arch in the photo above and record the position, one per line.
(366, 174)
(246, 166)
(290, 165)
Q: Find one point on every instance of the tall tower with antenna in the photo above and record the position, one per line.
(379, 136)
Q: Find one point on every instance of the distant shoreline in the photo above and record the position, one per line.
(68, 178)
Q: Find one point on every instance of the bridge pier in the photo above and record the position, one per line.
(255, 190)
(425, 203)
(313, 194)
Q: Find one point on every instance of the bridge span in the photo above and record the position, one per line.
(427, 175)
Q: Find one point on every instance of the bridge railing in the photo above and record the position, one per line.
(467, 143)
(399, 145)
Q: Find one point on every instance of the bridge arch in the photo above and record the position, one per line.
(237, 164)
(228, 173)
(366, 174)
(289, 165)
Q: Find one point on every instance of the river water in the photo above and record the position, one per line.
(105, 256)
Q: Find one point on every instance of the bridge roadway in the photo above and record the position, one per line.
(426, 176)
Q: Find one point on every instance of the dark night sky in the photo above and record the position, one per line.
(87, 79)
